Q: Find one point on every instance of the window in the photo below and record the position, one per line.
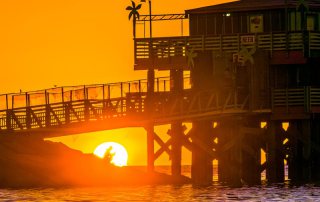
(311, 22)
(295, 21)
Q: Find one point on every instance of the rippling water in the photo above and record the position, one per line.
(279, 192)
(165, 193)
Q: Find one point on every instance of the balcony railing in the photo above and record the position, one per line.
(292, 100)
(172, 51)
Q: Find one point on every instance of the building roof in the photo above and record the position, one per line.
(250, 5)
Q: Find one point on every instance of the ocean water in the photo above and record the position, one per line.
(216, 192)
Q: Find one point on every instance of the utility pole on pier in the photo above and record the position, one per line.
(150, 94)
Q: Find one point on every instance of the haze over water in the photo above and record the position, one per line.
(216, 192)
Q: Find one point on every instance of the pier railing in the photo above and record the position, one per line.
(172, 51)
(70, 104)
(84, 92)
(304, 99)
(41, 109)
(58, 107)
(207, 102)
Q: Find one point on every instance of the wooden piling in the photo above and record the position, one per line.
(315, 148)
(299, 159)
(176, 88)
(251, 145)
(275, 155)
(150, 147)
(176, 148)
(239, 146)
(202, 167)
(229, 152)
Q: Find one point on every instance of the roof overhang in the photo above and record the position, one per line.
(251, 5)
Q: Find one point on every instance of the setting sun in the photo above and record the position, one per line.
(120, 155)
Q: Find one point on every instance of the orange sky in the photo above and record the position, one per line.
(71, 42)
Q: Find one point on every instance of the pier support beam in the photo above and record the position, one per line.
(150, 147)
(202, 140)
(251, 152)
(239, 151)
(176, 133)
(315, 149)
(299, 161)
(176, 87)
(228, 153)
(275, 154)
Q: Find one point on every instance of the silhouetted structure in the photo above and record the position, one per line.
(251, 61)
(258, 59)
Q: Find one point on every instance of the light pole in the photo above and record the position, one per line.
(150, 91)
(150, 73)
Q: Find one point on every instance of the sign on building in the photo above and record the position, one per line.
(248, 39)
(256, 23)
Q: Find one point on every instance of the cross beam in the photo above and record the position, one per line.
(162, 17)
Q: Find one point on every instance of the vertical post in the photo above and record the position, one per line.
(229, 149)
(139, 86)
(28, 112)
(8, 115)
(12, 102)
(7, 104)
(176, 88)
(47, 96)
(109, 93)
(103, 93)
(306, 150)
(150, 147)
(202, 159)
(121, 97)
(150, 69)
(176, 133)
(150, 72)
(251, 156)
(103, 101)
(158, 87)
(48, 116)
(66, 108)
(8, 119)
(129, 86)
(86, 104)
(300, 151)
(315, 153)
(275, 156)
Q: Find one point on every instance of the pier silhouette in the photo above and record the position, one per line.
(249, 74)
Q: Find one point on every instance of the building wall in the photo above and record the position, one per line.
(241, 22)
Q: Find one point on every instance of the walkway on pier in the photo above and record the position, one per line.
(78, 109)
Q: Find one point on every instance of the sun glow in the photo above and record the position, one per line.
(120, 155)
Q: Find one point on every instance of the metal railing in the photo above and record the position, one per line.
(81, 108)
(70, 104)
(84, 92)
(75, 108)
(307, 97)
(166, 47)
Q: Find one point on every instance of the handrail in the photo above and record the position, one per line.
(83, 92)
(165, 47)
(166, 105)
(307, 97)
